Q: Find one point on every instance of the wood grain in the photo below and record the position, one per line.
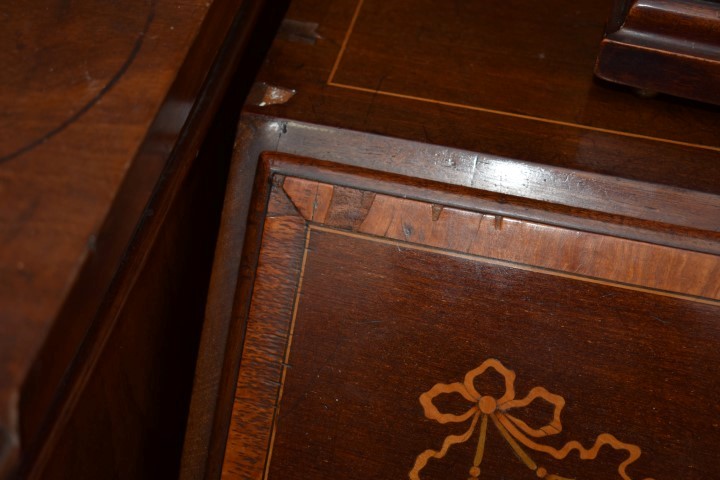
(212, 403)
(267, 340)
(578, 253)
(434, 174)
(497, 70)
(224, 328)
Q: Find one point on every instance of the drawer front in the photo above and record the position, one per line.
(395, 335)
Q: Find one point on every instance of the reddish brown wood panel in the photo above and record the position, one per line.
(264, 351)
(368, 357)
(68, 139)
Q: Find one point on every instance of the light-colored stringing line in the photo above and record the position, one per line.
(524, 457)
(344, 43)
(519, 266)
(331, 82)
(481, 442)
(291, 332)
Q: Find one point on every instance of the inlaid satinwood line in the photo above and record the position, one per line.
(514, 430)
(523, 117)
(286, 358)
(348, 33)
(346, 40)
(280, 259)
(508, 263)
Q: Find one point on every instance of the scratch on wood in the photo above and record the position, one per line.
(474, 170)
(407, 230)
(476, 236)
(315, 204)
(349, 207)
(297, 31)
(142, 35)
(9, 440)
(280, 203)
(436, 211)
(263, 94)
(498, 222)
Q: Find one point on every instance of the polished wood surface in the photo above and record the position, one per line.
(668, 46)
(104, 107)
(507, 80)
(584, 169)
(361, 318)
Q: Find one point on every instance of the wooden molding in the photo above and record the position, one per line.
(668, 46)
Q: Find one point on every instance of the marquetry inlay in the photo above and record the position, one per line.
(515, 431)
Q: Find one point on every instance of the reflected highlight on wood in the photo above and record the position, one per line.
(512, 429)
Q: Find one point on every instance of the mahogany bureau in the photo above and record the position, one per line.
(448, 252)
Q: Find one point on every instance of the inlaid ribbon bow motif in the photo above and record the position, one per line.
(516, 432)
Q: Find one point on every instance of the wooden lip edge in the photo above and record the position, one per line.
(678, 55)
(212, 398)
(700, 53)
(613, 47)
(468, 198)
(207, 95)
(218, 357)
(241, 308)
(307, 140)
(454, 197)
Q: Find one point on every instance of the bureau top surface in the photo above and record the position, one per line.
(508, 79)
